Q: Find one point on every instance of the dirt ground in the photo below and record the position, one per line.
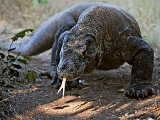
(101, 97)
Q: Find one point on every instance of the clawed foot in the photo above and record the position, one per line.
(47, 74)
(140, 92)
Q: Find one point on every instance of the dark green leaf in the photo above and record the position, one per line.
(44, 2)
(23, 61)
(2, 55)
(21, 34)
(11, 71)
(16, 65)
(11, 49)
(11, 56)
(27, 84)
(27, 58)
(31, 75)
(14, 73)
(11, 60)
(121, 90)
(4, 70)
(6, 62)
(27, 75)
(35, 73)
(36, 2)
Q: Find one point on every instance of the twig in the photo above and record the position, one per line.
(6, 99)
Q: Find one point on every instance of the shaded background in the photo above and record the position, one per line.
(32, 13)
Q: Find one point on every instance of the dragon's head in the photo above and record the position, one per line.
(78, 55)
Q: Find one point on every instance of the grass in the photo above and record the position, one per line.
(146, 12)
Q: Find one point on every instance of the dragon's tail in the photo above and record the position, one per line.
(41, 41)
(17, 48)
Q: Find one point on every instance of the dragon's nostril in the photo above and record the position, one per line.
(71, 69)
(63, 67)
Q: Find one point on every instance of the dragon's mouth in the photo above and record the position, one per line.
(64, 84)
(71, 79)
(73, 75)
(64, 79)
(75, 78)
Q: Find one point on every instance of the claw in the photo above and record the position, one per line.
(127, 93)
(40, 74)
(67, 86)
(132, 92)
(153, 91)
(58, 85)
(143, 94)
(53, 81)
(140, 91)
(138, 94)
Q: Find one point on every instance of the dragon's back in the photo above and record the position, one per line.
(110, 20)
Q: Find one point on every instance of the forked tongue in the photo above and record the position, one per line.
(62, 86)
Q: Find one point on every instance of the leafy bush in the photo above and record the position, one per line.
(11, 64)
(42, 2)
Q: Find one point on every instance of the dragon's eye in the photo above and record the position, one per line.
(81, 49)
(82, 53)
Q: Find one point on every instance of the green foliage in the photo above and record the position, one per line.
(16, 65)
(31, 75)
(11, 64)
(2, 55)
(36, 2)
(11, 49)
(20, 35)
(121, 90)
(27, 58)
(22, 60)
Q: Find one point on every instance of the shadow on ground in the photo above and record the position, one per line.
(99, 99)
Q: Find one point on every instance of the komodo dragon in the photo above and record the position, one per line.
(92, 36)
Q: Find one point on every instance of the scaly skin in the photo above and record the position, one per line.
(104, 38)
(92, 36)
